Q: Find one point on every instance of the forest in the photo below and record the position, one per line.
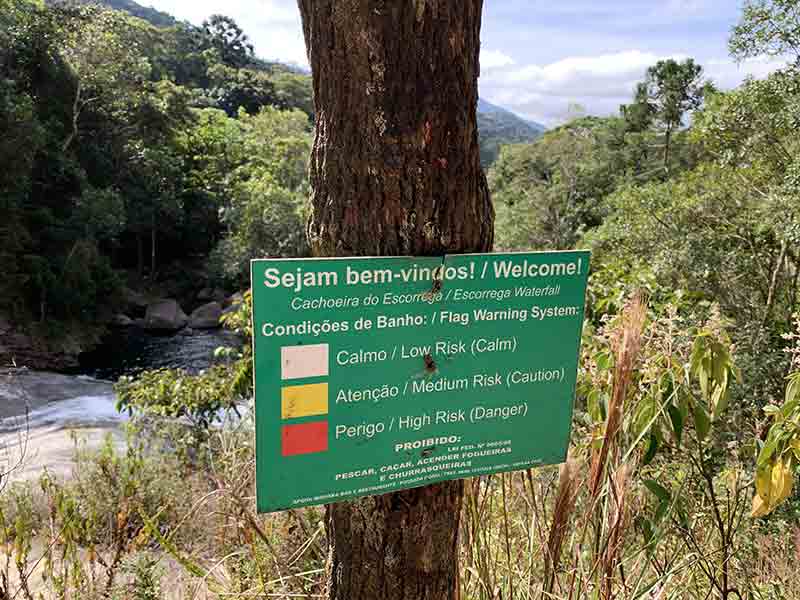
(141, 156)
(127, 147)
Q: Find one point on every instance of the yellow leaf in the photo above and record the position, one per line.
(760, 508)
(795, 444)
(763, 482)
(782, 481)
(773, 487)
(731, 477)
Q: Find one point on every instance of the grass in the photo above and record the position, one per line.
(619, 520)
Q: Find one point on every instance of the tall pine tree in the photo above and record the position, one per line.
(396, 170)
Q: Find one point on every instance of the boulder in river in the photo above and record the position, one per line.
(234, 300)
(206, 317)
(211, 294)
(165, 315)
(38, 353)
(134, 302)
(121, 320)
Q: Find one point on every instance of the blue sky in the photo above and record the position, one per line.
(544, 59)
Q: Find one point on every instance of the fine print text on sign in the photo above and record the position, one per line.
(379, 374)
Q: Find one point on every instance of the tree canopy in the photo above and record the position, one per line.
(100, 112)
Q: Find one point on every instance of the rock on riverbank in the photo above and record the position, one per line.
(22, 390)
(165, 315)
(36, 350)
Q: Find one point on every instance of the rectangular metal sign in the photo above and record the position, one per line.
(379, 374)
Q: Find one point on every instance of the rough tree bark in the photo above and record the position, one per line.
(395, 170)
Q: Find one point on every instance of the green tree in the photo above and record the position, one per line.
(109, 70)
(154, 170)
(264, 210)
(293, 90)
(670, 91)
(226, 37)
(105, 166)
(549, 192)
(58, 271)
(767, 27)
(232, 89)
(752, 132)
(704, 237)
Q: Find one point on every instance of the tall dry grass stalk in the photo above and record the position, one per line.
(628, 344)
(616, 526)
(605, 504)
(562, 514)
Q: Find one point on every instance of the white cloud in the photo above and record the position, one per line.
(727, 74)
(600, 84)
(544, 91)
(273, 25)
(494, 59)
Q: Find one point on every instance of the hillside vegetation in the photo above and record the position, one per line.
(128, 148)
(131, 148)
(498, 127)
(146, 13)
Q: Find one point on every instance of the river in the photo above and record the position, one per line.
(40, 411)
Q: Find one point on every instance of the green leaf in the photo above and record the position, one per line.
(676, 418)
(698, 351)
(719, 362)
(663, 495)
(646, 527)
(657, 490)
(771, 445)
(793, 389)
(652, 449)
(646, 412)
(661, 511)
(719, 401)
(702, 375)
(596, 406)
(702, 423)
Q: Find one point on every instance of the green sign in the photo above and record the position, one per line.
(378, 374)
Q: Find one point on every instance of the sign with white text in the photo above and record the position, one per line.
(379, 374)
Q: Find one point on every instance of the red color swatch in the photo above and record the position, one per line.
(306, 438)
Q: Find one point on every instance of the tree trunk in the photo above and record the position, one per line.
(76, 112)
(153, 245)
(395, 166)
(139, 255)
(395, 170)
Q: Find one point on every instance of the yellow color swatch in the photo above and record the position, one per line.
(304, 400)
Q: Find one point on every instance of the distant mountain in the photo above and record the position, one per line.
(147, 13)
(498, 126)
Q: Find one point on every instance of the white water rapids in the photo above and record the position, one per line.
(42, 414)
